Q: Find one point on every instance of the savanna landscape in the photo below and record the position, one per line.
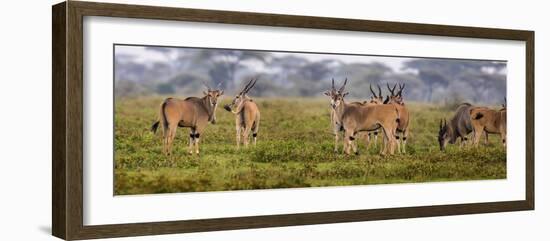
(295, 140)
(294, 149)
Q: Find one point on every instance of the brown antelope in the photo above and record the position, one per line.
(247, 114)
(396, 99)
(374, 100)
(336, 125)
(359, 118)
(192, 112)
(460, 126)
(489, 121)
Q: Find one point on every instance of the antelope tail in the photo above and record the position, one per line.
(155, 126)
(478, 116)
(398, 120)
(162, 118)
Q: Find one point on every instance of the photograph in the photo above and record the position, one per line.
(180, 120)
(192, 119)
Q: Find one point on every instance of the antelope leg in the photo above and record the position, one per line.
(349, 141)
(255, 130)
(238, 127)
(171, 135)
(164, 142)
(336, 131)
(376, 138)
(238, 137)
(477, 136)
(354, 145)
(197, 138)
(393, 142)
(246, 135)
(405, 135)
(367, 140)
(344, 143)
(191, 141)
(385, 141)
(397, 141)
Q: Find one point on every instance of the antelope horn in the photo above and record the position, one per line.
(333, 84)
(206, 85)
(401, 89)
(379, 91)
(389, 88)
(372, 91)
(343, 86)
(246, 86)
(440, 123)
(252, 85)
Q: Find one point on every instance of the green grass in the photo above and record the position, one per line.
(295, 149)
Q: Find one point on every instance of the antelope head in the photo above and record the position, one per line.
(337, 96)
(444, 134)
(237, 102)
(395, 97)
(376, 99)
(211, 97)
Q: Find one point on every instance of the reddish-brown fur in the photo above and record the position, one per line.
(396, 99)
(247, 115)
(192, 112)
(356, 118)
(488, 120)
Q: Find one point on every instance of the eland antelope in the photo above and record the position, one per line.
(192, 112)
(460, 126)
(396, 99)
(375, 99)
(247, 114)
(355, 118)
(489, 121)
(336, 125)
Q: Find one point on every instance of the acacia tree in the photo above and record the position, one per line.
(481, 77)
(225, 64)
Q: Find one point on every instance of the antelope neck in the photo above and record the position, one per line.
(340, 110)
(209, 109)
(452, 134)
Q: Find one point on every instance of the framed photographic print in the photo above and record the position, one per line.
(170, 120)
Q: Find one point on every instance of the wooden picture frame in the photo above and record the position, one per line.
(67, 123)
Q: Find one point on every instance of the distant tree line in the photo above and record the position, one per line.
(427, 80)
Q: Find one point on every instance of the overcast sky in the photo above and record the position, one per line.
(143, 55)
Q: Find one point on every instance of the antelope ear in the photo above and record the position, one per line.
(326, 93)
(344, 95)
(205, 93)
(221, 92)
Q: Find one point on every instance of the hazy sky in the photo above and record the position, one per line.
(143, 55)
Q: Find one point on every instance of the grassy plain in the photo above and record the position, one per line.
(295, 149)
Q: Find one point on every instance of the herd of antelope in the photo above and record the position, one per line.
(470, 119)
(389, 116)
